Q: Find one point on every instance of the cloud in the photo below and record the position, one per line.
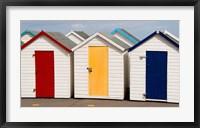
(78, 26)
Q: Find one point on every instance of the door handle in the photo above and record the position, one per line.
(89, 69)
(34, 90)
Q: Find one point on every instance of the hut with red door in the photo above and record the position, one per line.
(47, 66)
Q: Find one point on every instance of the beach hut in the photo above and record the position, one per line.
(47, 66)
(155, 69)
(125, 36)
(77, 36)
(100, 67)
(27, 35)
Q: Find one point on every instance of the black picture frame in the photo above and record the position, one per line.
(5, 3)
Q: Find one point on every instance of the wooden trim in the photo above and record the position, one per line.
(48, 36)
(72, 32)
(100, 35)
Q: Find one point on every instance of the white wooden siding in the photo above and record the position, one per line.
(138, 69)
(25, 38)
(74, 38)
(115, 70)
(61, 68)
(124, 39)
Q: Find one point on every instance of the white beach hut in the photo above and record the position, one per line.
(47, 66)
(100, 67)
(155, 69)
(27, 35)
(77, 36)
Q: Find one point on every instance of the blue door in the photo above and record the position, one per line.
(156, 75)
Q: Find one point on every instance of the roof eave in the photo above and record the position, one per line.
(48, 36)
(125, 35)
(73, 32)
(27, 32)
(150, 36)
(102, 36)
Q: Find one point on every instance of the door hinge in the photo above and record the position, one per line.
(89, 69)
(144, 96)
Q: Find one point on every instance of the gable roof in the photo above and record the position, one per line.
(126, 34)
(116, 40)
(62, 39)
(30, 32)
(56, 37)
(80, 34)
(150, 36)
(171, 36)
(108, 37)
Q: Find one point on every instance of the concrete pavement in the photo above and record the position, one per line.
(40, 102)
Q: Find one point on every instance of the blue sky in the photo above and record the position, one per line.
(138, 28)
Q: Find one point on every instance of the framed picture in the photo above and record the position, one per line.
(99, 63)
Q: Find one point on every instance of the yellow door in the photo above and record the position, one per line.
(98, 70)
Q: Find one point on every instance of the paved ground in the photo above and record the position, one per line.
(90, 103)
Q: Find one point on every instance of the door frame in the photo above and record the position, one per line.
(53, 73)
(162, 100)
(107, 72)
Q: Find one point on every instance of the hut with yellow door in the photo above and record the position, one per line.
(100, 67)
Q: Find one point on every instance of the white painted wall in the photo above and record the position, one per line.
(138, 69)
(74, 38)
(61, 68)
(26, 38)
(124, 39)
(115, 70)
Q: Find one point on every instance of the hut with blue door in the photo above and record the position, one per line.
(155, 68)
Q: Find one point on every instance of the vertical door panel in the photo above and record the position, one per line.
(44, 66)
(156, 75)
(98, 76)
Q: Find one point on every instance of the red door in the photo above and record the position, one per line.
(44, 70)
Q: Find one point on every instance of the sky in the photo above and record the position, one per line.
(138, 28)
